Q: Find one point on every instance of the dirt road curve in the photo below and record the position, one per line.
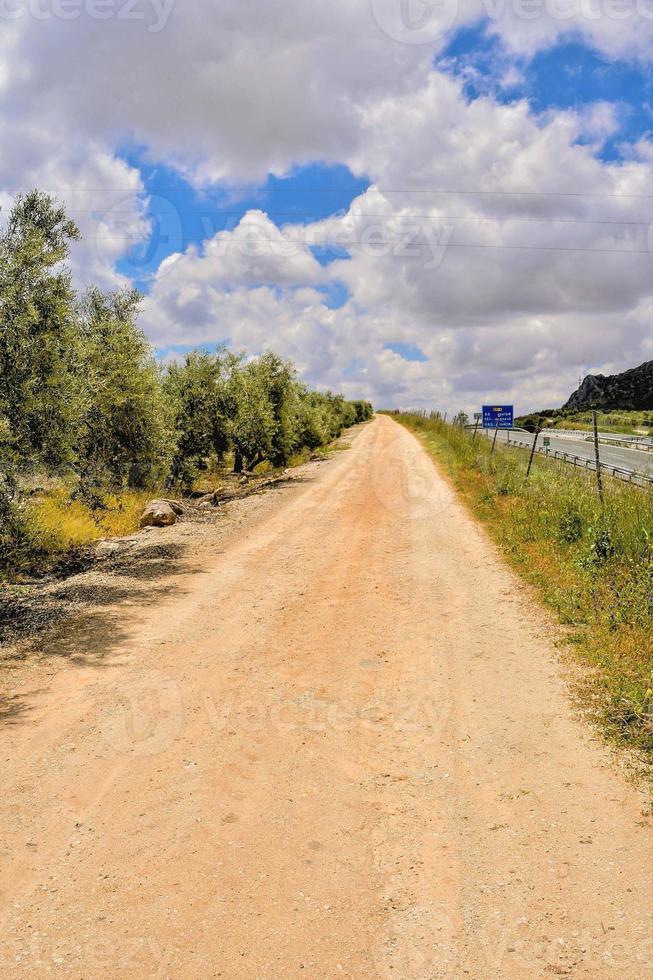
(341, 748)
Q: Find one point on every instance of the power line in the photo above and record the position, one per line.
(398, 217)
(257, 189)
(344, 246)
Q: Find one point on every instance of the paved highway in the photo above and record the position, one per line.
(630, 459)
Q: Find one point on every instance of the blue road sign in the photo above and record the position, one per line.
(501, 415)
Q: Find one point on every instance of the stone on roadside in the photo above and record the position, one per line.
(108, 549)
(158, 513)
(176, 505)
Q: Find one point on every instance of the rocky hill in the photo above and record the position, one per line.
(631, 390)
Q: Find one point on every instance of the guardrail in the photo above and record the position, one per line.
(641, 443)
(618, 472)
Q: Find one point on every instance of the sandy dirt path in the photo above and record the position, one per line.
(339, 748)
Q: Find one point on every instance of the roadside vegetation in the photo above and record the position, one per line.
(591, 563)
(91, 426)
(617, 422)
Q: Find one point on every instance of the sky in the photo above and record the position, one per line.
(427, 203)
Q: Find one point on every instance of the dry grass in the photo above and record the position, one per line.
(60, 523)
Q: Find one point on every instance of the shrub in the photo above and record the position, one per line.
(127, 436)
(570, 527)
(40, 394)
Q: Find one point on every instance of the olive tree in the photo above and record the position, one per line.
(251, 414)
(195, 391)
(39, 338)
(126, 435)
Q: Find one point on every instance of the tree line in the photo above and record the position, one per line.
(83, 396)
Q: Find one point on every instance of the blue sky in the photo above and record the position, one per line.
(304, 196)
(437, 210)
(569, 75)
(184, 216)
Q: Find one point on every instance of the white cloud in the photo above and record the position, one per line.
(234, 91)
(519, 320)
(616, 28)
(226, 91)
(101, 192)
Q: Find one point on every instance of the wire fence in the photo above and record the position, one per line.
(641, 443)
(635, 477)
(623, 473)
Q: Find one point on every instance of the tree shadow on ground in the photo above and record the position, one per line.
(73, 620)
(87, 619)
(292, 481)
(13, 707)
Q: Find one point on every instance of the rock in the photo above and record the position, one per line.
(629, 391)
(158, 513)
(109, 549)
(176, 505)
(112, 547)
(223, 494)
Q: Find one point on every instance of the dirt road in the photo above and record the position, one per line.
(340, 747)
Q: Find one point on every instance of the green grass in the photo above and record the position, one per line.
(592, 565)
(628, 423)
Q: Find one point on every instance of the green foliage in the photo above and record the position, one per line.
(84, 402)
(601, 547)
(570, 526)
(126, 437)
(39, 396)
(253, 423)
(195, 391)
(273, 416)
(363, 410)
(613, 422)
(313, 421)
(529, 422)
(274, 381)
(17, 541)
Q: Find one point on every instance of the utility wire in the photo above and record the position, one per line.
(344, 246)
(390, 217)
(258, 190)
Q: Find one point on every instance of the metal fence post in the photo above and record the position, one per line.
(494, 441)
(530, 462)
(599, 481)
